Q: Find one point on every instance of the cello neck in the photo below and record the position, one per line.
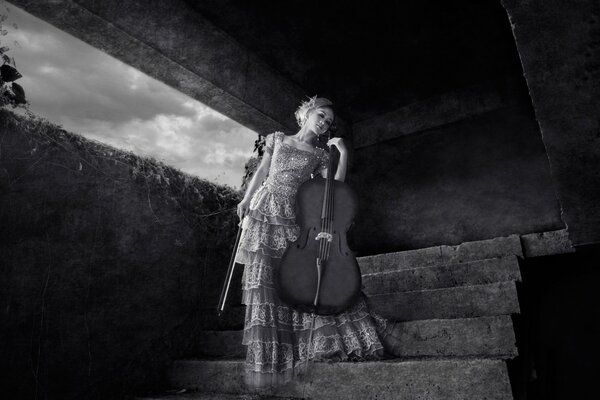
(328, 195)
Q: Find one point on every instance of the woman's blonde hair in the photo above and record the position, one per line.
(309, 105)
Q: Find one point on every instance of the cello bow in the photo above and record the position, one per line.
(229, 276)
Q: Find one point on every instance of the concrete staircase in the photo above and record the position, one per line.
(453, 304)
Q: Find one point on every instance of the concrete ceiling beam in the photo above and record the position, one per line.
(174, 44)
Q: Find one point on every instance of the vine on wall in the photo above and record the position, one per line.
(200, 198)
(11, 93)
(253, 162)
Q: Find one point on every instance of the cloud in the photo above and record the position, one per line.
(217, 155)
(89, 92)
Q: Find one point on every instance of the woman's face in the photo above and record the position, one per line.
(320, 119)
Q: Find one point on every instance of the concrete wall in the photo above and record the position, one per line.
(481, 177)
(559, 46)
(106, 269)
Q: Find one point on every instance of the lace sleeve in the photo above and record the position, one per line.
(269, 143)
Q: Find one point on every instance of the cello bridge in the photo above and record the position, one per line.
(324, 235)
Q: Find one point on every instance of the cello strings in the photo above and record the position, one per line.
(330, 212)
(322, 243)
(324, 247)
(326, 215)
(328, 221)
(323, 225)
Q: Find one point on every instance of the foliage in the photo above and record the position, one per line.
(254, 161)
(206, 207)
(11, 93)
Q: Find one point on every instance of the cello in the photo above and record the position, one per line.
(318, 273)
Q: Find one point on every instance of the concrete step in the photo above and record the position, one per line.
(485, 336)
(498, 298)
(214, 396)
(381, 380)
(437, 255)
(442, 276)
(465, 337)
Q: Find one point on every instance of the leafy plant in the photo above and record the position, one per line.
(11, 93)
(254, 161)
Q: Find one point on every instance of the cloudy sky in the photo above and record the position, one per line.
(88, 92)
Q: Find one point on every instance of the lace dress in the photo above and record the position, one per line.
(276, 336)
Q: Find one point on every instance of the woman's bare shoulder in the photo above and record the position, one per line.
(275, 135)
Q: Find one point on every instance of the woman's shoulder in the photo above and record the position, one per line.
(274, 135)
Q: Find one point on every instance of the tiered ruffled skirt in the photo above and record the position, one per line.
(277, 336)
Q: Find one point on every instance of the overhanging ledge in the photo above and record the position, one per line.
(216, 70)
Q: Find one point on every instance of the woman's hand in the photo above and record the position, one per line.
(242, 208)
(340, 173)
(339, 143)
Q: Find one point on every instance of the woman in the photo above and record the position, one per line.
(277, 336)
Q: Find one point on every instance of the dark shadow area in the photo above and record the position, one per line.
(377, 57)
(558, 329)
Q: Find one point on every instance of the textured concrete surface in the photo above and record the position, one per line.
(481, 177)
(448, 275)
(528, 245)
(547, 243)
(432, 112)
(437, 255)
(213, 396)
(400, 260)
(457, 302)
(422, 380)
(485, 336)
(174, 44)
(559, 47)
(104, 274)
(481, 249)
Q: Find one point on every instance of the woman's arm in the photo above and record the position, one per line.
(342, 167)
(257, 179)
(259, 175)
(340, 172)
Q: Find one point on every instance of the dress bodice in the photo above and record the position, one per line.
(291, 166)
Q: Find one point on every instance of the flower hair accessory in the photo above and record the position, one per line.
(307, 106)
